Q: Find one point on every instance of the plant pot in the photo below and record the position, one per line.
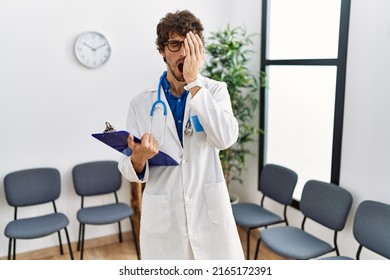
(234, 198)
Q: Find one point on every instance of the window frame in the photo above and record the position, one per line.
(340, 62)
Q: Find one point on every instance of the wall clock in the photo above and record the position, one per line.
(92, 49)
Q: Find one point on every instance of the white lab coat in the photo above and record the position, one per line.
(186, 212)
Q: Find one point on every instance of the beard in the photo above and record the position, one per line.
(177, 71)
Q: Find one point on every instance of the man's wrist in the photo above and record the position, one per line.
(196, 83)
(194, 90)
(139, 166)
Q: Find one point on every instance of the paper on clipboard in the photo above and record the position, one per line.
(118, 141)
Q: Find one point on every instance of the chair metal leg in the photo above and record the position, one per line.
(78, 241)
(82, 241)
(10, 248)
(336, 247)
(14, 249)
(134, 237)
(257, 248)
(120, 232)
(60, 241)
(69, 244)
(248, 238)
(359, 251)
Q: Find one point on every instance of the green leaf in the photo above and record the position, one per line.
(228, 52)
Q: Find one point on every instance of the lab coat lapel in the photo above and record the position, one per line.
(187, 110)
(170, 121)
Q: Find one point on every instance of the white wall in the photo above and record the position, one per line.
(44, 91)
(365, 152)
(50, 104)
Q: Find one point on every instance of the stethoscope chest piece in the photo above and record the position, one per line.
(188, 128)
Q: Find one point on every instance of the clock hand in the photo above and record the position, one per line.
(85, 44)
(100, 46)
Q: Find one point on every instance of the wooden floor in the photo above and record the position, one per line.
(109, 248)
(264, 252)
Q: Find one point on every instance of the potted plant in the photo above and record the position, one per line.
(227, 53)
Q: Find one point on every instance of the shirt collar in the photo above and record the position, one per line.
(167, 89)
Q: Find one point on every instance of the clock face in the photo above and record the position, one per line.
(92, 49)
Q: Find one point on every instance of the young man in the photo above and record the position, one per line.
(186, 212)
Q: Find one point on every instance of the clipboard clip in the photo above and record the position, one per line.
(109, 128)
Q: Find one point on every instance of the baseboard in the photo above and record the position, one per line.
(90, 243)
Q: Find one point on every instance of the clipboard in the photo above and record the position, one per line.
(118, 141)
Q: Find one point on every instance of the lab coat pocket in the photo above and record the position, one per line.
(217, 202)
(156, 216)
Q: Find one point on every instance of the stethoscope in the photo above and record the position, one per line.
(188, 127)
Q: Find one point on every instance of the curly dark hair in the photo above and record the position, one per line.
(179, 23)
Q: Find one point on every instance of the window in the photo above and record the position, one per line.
(303, 52)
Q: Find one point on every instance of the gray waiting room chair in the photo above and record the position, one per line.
(326, 204)
(371, 229)
(33, 187)
(277, 183)
(98, 178)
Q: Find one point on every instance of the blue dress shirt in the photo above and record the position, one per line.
(177, 105)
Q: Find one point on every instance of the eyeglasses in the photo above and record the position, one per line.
(174, 45)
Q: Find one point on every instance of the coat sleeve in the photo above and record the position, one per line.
(213, 107)
(125, 166)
